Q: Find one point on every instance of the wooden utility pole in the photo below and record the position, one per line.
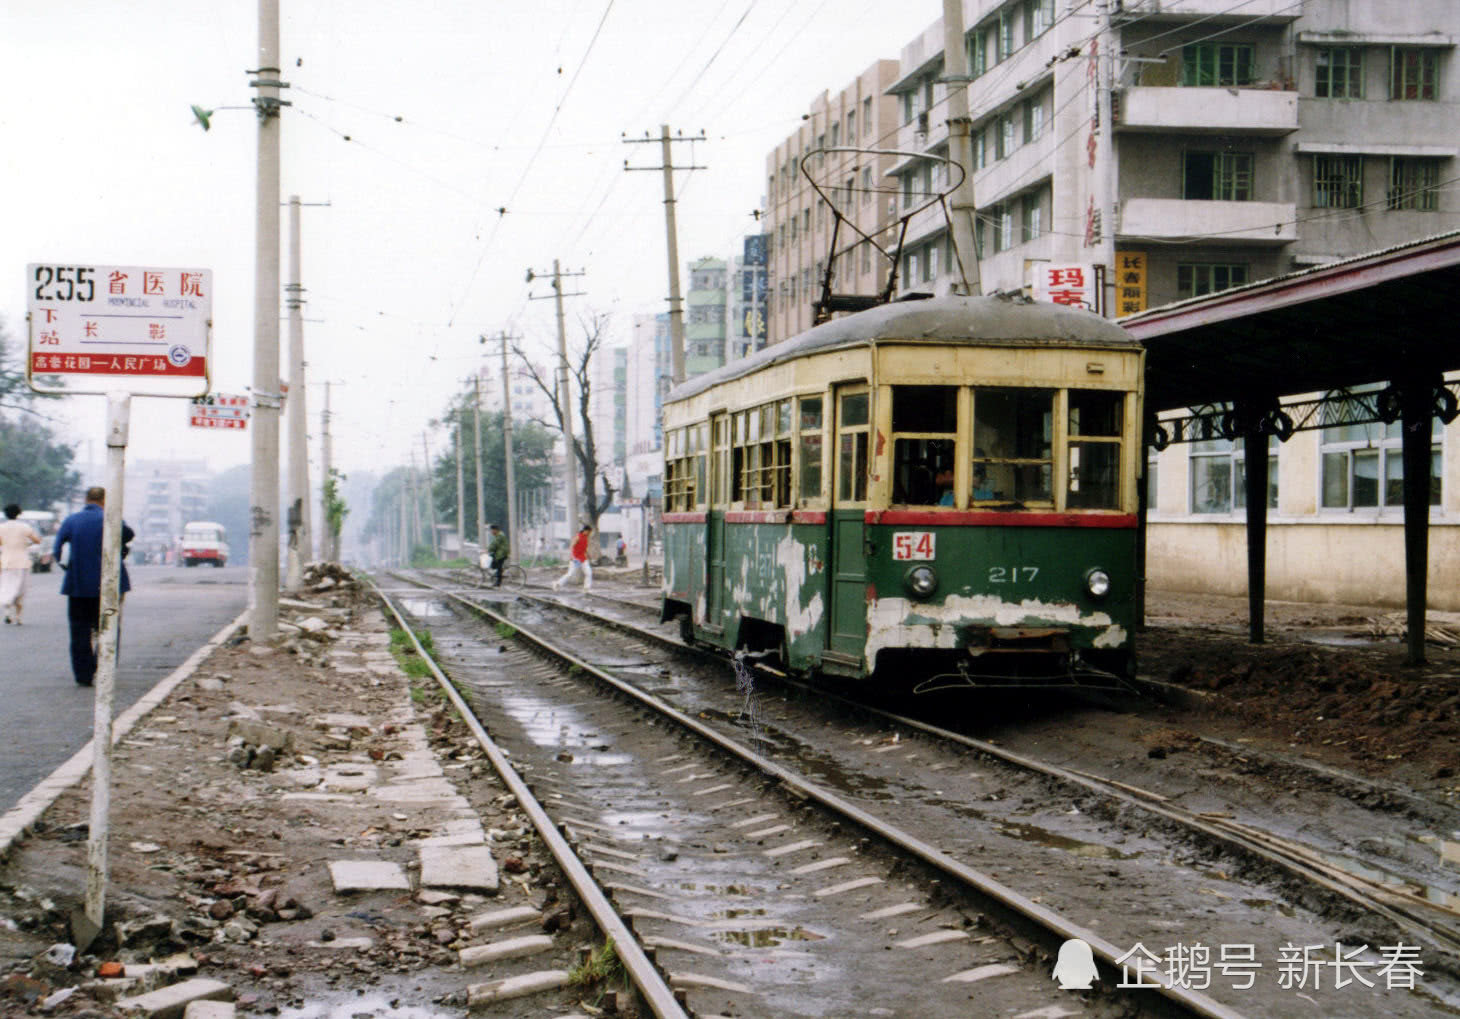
(429, 482)
(676, 304)
(330, 543)
(476, 405)
(460, 487)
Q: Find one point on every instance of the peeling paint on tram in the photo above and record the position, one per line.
(905, 623)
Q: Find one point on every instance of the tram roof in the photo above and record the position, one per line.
(1362, 319)
(975, 321)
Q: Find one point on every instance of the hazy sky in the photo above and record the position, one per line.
(416, 122)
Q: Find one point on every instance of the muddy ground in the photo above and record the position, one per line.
(1330, 683)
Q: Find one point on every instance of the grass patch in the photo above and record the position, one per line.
(506, 631)
(603, 966)
(411, 663)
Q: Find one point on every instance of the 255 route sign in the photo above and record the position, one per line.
(220, 410)
(104, 327)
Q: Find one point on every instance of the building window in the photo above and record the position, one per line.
(1414, 73)
(1194, 279)
(1413, 184)
(910, 268)
(836, 134)
(909, 106)
(1038, 16)
(977, 63)
(866, 184)
(1217, 176)
(930, 263)
(980, 150)
(1219, 476)
(1340, 73)
(852, 126)
(1212, 63)
(1003, 135)
(1338, 182)
(1363, 466)
(867, 114)
(1152, 460)
(1033, 119)
(907, 190)
(1030, 216)
(1004, 217)
(866, 256)
(1006, 34)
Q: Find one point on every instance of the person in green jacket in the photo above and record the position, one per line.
(498, 548)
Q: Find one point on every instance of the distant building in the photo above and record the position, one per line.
(747, 315)
(704, 318)
(647, 374)
(799, 221)
(170, 493)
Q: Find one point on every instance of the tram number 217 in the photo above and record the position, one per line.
(1013, 574)
(913, 545)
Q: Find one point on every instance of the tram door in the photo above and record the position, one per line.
(715, 519)
(847, 633)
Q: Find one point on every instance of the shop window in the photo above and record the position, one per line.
(1219, 475)
(1013, 442)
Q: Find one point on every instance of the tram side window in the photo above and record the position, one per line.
(720, 465)
(781, 481)
(1095, 428)
(852, 430)
(809, 430)
(766, 492)
(1013, 444)
(702, 435)
(737, 459)
(924, 428)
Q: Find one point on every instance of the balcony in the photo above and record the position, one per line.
(1176, 219)
(1208, 10)
(1245, 111)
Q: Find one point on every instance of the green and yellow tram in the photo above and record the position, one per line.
(935, 487)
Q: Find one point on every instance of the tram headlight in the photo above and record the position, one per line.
(1097, 582)
(921, 581)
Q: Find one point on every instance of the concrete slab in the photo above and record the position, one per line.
(503, 918)
(969, 976)
(170, 1002)
(368, 876)
(341, 720)
(687, 980)
(210, 1010)
(459, 867)
(935, 938)
(512, 948)
(344, 778)
(479, 995)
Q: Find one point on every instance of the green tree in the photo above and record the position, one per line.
(35, 469)
(532, 447)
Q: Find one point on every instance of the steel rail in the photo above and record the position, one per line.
(1295, 857)
(1108, 953)
(645, 975)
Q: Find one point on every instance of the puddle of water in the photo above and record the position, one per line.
(766, 937)
(423, 608)
(736, 914)
(697, 887)
(602, 760)
(374, 1006)
(1388, 878)
(1041, 837)
(1341, 639)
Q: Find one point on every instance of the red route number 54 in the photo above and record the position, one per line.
(912, 545)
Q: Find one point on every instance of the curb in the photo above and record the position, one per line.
(18, 819)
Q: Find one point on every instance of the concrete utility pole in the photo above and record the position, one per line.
(476, 383)
(263, 532)
(564, 393)
(456, 438)
(1103, 53)
(676, 305)
(507, 442)
(300, 531)
(430, 496)
(960, 146)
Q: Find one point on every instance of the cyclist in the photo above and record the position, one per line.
(498, 548)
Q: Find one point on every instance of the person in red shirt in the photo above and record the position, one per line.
(578, 561)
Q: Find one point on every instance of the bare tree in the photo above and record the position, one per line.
(585, 448)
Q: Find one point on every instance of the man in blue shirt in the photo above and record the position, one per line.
(82, 584)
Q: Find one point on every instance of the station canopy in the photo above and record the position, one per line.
(1370, 318)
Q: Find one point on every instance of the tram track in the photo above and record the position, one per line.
(1116, 809)
(782, 868)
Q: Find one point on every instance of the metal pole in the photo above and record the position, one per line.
(1416, 424)
(263, 545)
(1105, 153)
(565, 396)
(481, 486)
(460, 486)
(676, 308)
(960, 145)
(1254, 452)
(118, 412)
(507, 442)
(300, 533)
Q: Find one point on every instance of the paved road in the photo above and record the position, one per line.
(45, 717)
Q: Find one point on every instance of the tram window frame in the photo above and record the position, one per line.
(921, 453)
(702, 435)
(737, 457)
(720, 423)
(765, 487)
(1014, 471)
(810, 448)
(781, 475)
(852, 447)
(1098, 438)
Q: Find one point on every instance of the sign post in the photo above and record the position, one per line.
(121, 331)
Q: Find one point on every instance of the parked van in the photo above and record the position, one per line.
(203, 541)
